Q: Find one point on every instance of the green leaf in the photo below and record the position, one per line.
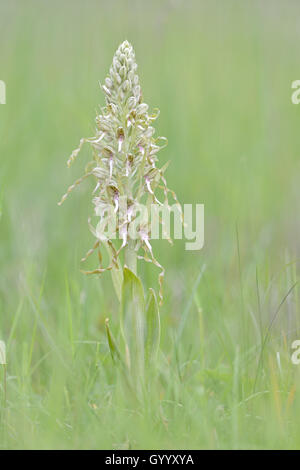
(133, 320)
(114, 350)
(152, 328)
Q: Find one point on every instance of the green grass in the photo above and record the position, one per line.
(221, 73)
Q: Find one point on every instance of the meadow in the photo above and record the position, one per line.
(221, 74)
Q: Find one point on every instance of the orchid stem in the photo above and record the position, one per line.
(131, 257)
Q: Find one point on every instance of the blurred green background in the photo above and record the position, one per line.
(221, 74)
